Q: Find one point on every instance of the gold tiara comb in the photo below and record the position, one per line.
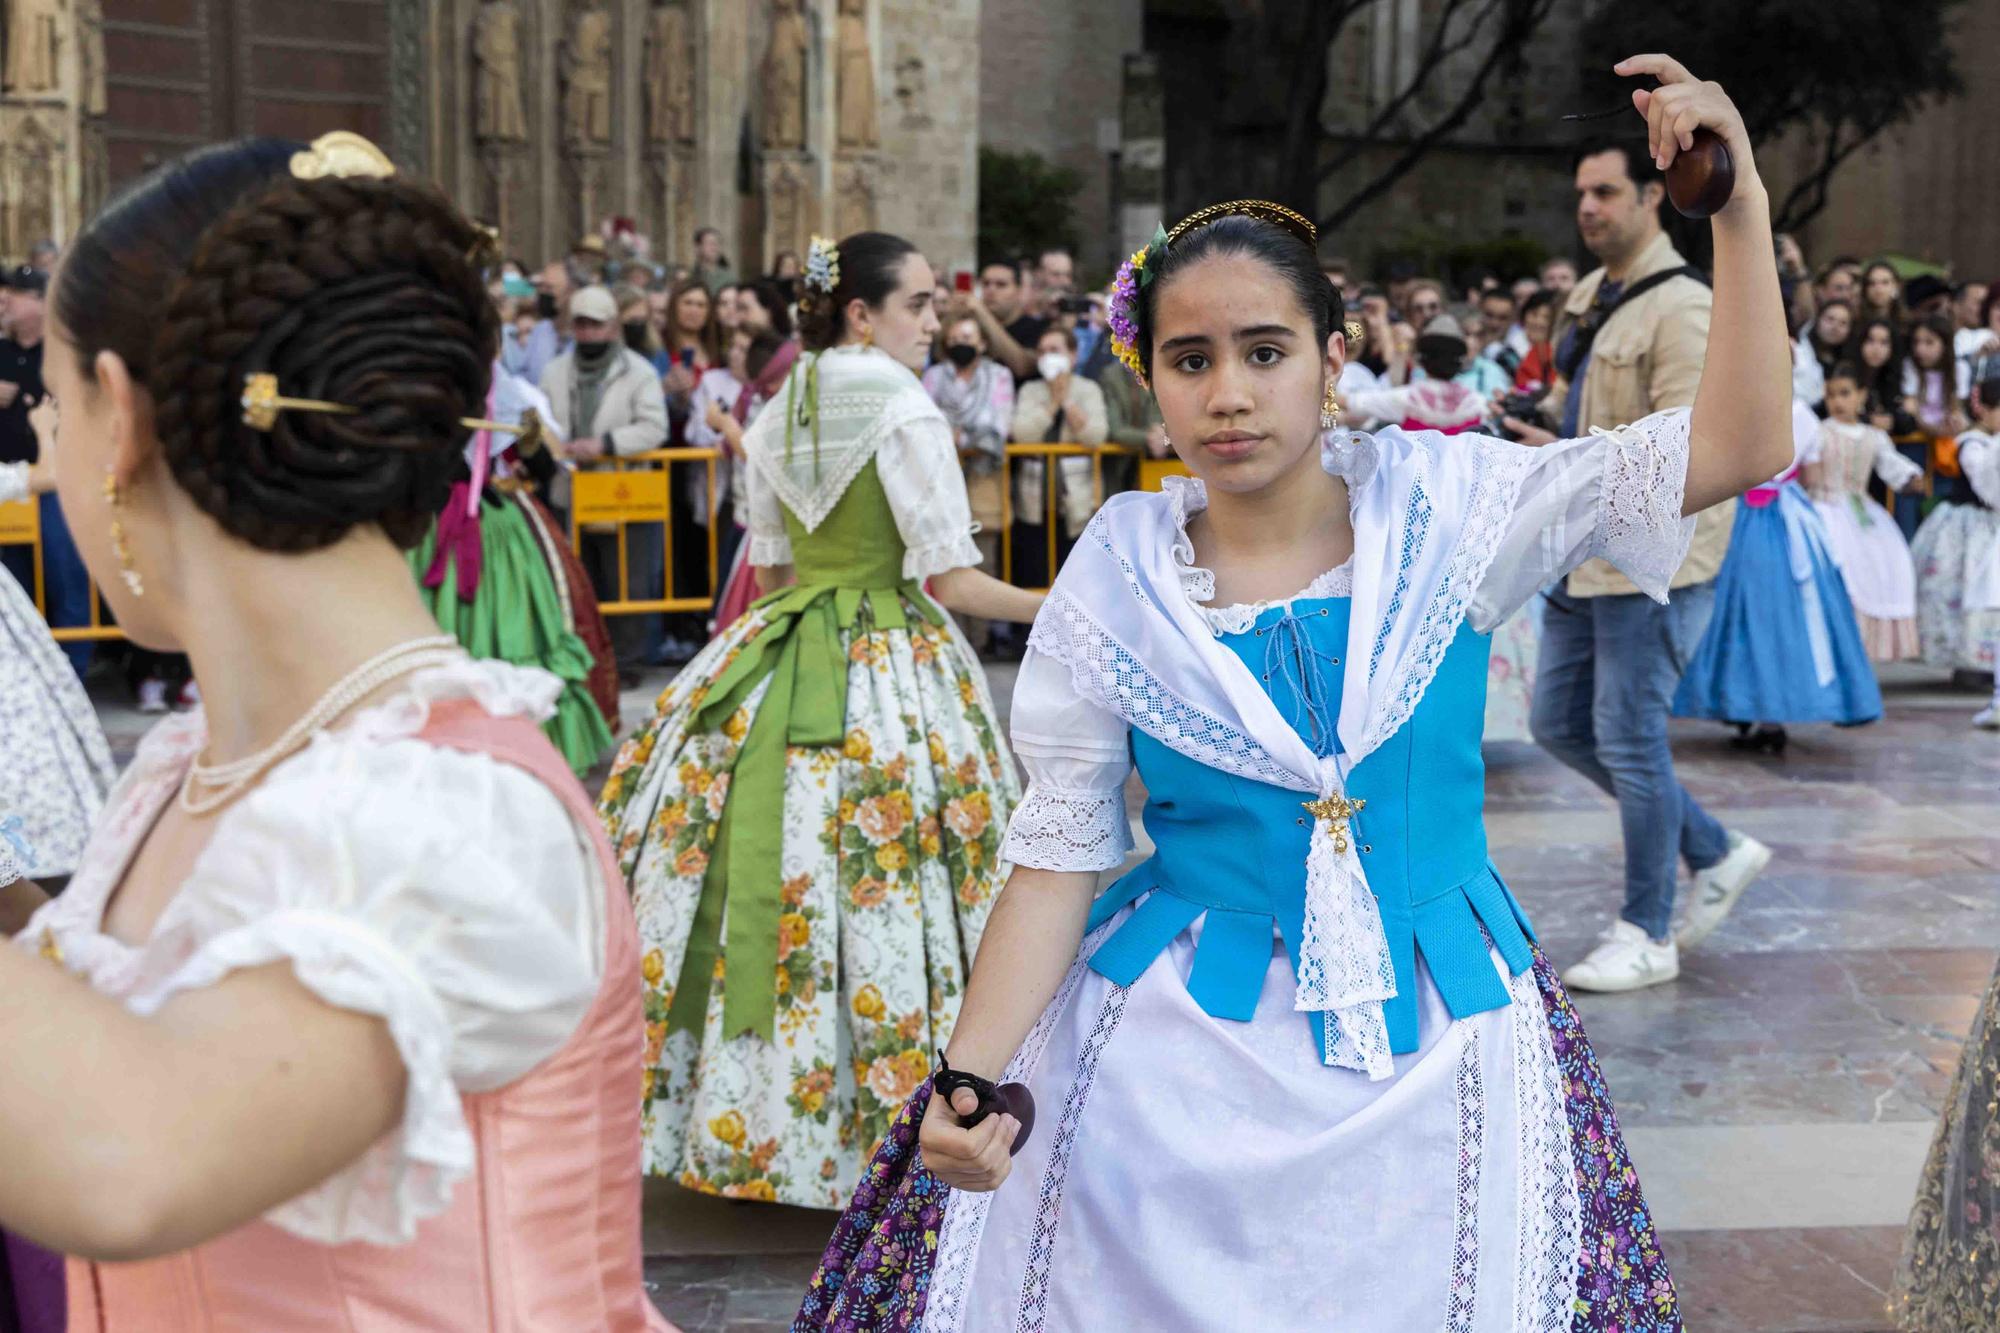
(262, 403)
(1261, 209)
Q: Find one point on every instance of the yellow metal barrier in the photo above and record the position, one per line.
(625, 491)
(1051, 454)
(1153, 471)
(21, 525)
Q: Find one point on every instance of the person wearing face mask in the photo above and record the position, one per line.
(613, 403)
(1061, 407)
(976, 395)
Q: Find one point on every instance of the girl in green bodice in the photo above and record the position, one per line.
(811, 823)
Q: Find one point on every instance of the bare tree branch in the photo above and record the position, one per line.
(1435, 54)
(1523, 17)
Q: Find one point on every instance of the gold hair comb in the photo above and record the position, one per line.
(262, 403)
(340, 154)
(1262, 209)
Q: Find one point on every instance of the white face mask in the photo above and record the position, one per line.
(1052, 365)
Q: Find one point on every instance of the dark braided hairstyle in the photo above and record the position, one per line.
(356, 291)
(1233, 234)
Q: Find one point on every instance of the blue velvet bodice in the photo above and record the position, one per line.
(1233, 850)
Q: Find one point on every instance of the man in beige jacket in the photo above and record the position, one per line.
(614, 405)
(1630, 341)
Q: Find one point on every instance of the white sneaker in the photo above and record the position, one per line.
(1627, 959)
(190, 696)
(1716, 889)
(152, 695)
(1988, 718)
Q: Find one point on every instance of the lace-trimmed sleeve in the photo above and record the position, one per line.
(1077, 756)
(925, 485)
(473, 930)
(770, 543)
(1614, 494)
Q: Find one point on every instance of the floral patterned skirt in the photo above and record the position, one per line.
(1949, 1279)
(1952, 543)
(890, 852)
(57, 766)
(1510, 674)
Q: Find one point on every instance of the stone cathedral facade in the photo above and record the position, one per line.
(770, 120)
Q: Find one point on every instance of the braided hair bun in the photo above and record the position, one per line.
(357, 291)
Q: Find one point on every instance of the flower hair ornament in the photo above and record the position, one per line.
(1137, 273)
(822, 271)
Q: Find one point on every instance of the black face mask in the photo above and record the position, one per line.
(635, 334)
(592, 353)
(962, 354)
(545, 304)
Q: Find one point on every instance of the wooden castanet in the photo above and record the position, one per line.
(1703, 177)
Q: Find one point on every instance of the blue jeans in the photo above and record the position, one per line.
(1607, 675)
(65, 583)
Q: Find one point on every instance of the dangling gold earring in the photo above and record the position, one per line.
(120, 547)
(1329, 407)
(868, 336)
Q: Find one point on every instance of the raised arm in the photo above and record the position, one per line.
(1741, 431)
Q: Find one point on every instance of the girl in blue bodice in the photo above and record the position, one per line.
(1303, 1066)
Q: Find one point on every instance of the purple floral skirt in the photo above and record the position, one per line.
(876, 1271)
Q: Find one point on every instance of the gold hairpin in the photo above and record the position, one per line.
(1354, 333)
(1262, 209)
(341, 153)
(484, 251)
(262, 403)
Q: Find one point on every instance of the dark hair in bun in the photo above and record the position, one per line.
(358, 291)
(871, 264)
(1271, 245)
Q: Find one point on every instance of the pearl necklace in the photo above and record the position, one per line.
(229, 780)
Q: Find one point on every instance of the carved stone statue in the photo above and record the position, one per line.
(785, 77)
(90, 57)
(586, 69)
(856, 124)
(27, 208)
(854, 204)
(669, 75)
(496, 51)
(34, 32)
(790, 208)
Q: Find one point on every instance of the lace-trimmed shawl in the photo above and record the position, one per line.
(1429, 514)
(840, 406)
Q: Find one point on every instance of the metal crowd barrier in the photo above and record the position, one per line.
(627, 491)
(1152, 471)
(21, 525)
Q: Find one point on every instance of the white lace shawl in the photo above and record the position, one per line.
(863, 396)
(1430, 514)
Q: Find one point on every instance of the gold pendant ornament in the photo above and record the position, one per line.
(1334, 812)
(120, 547)
(1329, 407)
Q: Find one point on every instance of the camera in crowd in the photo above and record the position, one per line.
(1522, 405)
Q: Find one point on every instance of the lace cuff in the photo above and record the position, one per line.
(13, 859)
(961, 552)
(1639, 524)
(408, 1176)
(1062, 828)
(769, 551)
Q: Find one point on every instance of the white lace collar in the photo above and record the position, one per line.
(1187, 497)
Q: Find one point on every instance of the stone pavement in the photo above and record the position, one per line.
(1777, 1099)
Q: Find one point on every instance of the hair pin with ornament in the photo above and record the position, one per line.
(821, 271)
(262, 403)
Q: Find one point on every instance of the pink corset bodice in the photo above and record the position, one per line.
(543, 1235)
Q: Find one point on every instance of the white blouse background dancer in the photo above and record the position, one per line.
(54, 764)
(1206, 1156)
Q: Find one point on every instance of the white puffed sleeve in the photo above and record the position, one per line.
(925, 484)
(770, 543)
(1077, 754)
(447, 893)
(1896, 471)
(1979, 459)
(1613, 494)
